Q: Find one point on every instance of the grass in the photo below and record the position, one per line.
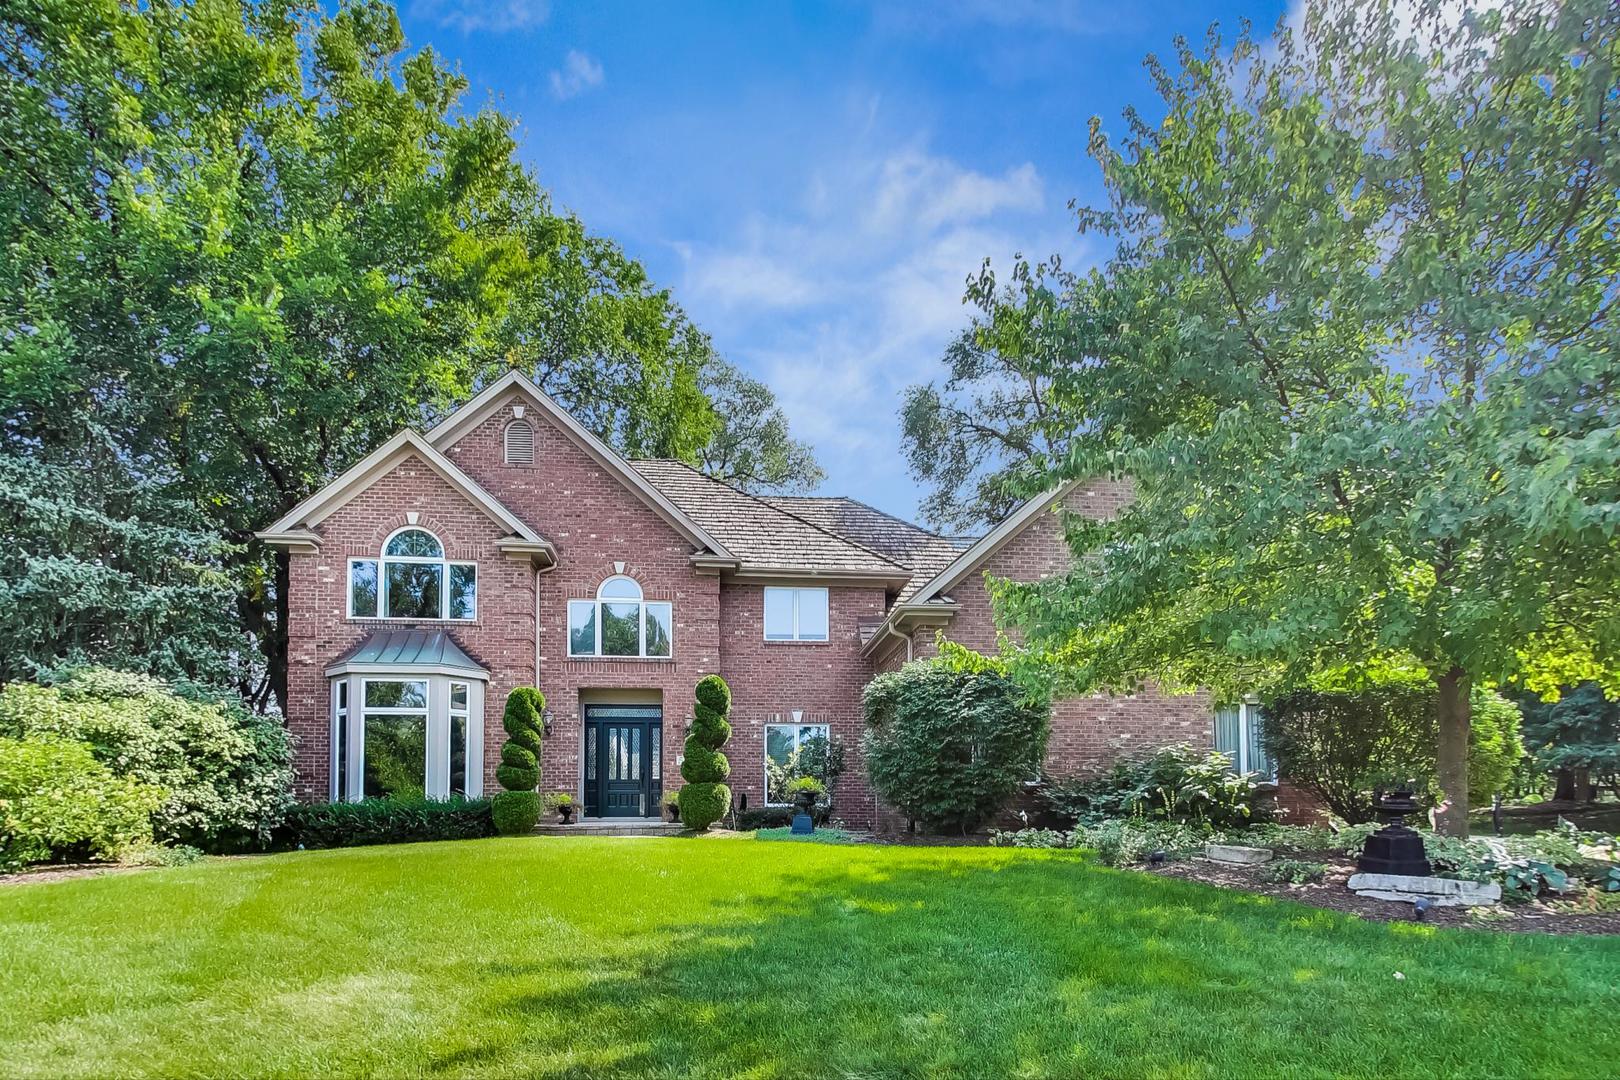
(553, 956)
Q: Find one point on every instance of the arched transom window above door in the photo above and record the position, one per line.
(412, 579)
(620, 622)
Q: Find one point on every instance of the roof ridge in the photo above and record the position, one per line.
(809, 524)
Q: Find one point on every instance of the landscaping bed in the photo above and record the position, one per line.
(1530, 916)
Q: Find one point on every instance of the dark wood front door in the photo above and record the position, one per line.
(623, 766)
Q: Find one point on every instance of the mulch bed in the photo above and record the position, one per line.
(43, 875)
(1333, 892)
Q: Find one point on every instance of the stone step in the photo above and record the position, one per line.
(617, 827)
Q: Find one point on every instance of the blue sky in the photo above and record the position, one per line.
(816, 181)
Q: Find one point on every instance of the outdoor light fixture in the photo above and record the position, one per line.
(545, 722)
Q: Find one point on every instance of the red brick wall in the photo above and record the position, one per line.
(319, 629)
(770, 679)
(1087, 732)
(594, 522)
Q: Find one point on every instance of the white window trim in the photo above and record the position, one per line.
(765, 766)
(641, 628)
(436, 766)
(1248, 709)
(826, 600)
(341, 691)
(382, 559)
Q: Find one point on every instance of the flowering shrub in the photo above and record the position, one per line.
(226, 773)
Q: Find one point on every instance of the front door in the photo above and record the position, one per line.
(623, 760)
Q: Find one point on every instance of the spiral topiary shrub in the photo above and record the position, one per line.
(706, 799)
(516, 809)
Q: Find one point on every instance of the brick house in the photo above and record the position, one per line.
(509, 547)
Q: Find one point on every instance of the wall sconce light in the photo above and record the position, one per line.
(545, 722)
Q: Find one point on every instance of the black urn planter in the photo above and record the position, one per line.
(565, 814)
(1395, 849)
(674, 812)
(804, 802)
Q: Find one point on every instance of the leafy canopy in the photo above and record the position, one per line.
(1356, 349)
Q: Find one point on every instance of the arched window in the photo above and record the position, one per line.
(620, 623)
(520, 443)
(412, 580)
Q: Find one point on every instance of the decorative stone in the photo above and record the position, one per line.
(1232, 853)
(1443, 892)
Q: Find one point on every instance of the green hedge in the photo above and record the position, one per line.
(384, 821)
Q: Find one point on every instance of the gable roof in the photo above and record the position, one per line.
(988, 544)
(470, 415)
(293, 528)
(766, 537)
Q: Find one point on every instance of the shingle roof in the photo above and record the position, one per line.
(760, 533)
(924, 553)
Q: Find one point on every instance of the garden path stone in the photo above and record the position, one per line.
(1446, 892)
(1232, 853)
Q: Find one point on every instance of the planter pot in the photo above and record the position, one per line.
(674, 810)
(566, 814)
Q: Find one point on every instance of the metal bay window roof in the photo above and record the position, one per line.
(406, 651)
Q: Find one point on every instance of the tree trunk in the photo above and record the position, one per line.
(1455, 716)
(277, 636)
(1583, 786)
(1565, 789)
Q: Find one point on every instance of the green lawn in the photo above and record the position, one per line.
(550, 956)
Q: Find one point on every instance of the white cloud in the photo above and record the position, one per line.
(483, 16)
(852, 290)
(579, 73)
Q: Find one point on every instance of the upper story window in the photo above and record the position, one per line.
(795, 614)
(412, 580)
(620, 623)
(520, 443)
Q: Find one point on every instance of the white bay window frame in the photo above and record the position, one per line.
(436, 767)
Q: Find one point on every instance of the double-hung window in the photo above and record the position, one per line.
(412, 579)
(619, 622)
(795, 614)
(1237, 735)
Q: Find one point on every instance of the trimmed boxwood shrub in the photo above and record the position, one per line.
(384, 821)
(58, 802)
(706, 799)
(517, 809)
(947, 745)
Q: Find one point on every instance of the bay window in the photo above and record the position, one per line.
(406, 735)
(412, 579)
(619, 622)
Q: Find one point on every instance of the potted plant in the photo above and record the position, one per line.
(563, 803)
(806, 791)
(672, 805)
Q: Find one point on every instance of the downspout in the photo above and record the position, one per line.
(539, 571)
(889, 629)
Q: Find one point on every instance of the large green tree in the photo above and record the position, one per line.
(1356, 349)
(249, 239)
(751, 447)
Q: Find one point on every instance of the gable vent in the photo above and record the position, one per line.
(520, 443)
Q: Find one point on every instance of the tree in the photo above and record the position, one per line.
(705, 798)
(250, 241)
(1577, 737)
(948, 745)
(1347, 746)
(101, 568)
(751, 448)
(976, 439)
(1356, 349)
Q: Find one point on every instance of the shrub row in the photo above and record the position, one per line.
(384, 821)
